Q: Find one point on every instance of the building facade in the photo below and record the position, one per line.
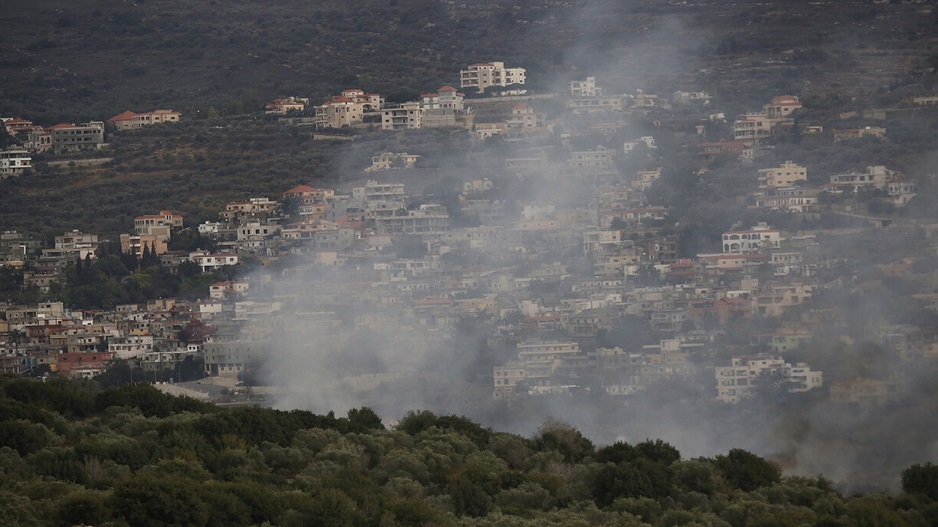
(72, 138)
(487, 74)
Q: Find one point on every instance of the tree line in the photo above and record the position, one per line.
(73, 453)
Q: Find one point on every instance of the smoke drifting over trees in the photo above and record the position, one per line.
(418, 322)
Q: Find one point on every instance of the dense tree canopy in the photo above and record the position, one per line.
(73, 453)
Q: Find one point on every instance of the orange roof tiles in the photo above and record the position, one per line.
(302, 189)
(126, 116)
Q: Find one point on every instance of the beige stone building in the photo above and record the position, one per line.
(286, 104)
(487, 74)
(446, 98)
(406, 116)
(161, 224)
(132, 121)
(786, 175)
(753, 128)
(339, 112)
(392, 161)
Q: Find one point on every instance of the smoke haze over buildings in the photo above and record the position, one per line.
(349, 336)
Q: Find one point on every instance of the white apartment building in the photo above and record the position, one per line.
(446, 98)
(486, 74)
(758, 238)
(741, 378)
(602, 158)
(14, 162)
(792, 199)
(210, 262)
(130, 346)
(374, 191)
(585, 88)
(392, 160)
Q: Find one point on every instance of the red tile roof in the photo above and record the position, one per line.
(302, 189)
(126, 116)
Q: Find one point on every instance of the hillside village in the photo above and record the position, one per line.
(565, 253)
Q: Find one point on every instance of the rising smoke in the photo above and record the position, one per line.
(348, 338)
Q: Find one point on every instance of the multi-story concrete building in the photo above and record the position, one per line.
(28, 135)
(585, 88)
(14, 162)
(286, 104)
(226, 290)
(72, 138)
(596, 104)
(743, 377)
(253, 209)
(537, 362)
(427, 218)
(308, 195)
(856, 133)
(339, 112)
(484, 131)
(374, 191)
(687, 97)
(758, 238)
(786, 175)
(601, 158)
(392, 160)
(137, 244)
(228, 358)
(524, 119)
(875, 177)
(644, 178)
(159, 224)
(73, 245)
(446, 98)
(781, 106)
(406, 116)
(487, 74)
(753, 128)
(210, 262)
(773, 299)
(792, 199)
(130, 346)
(371, 102)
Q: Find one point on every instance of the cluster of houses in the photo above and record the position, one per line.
(65, 138)
(553, 278)
(418, 298)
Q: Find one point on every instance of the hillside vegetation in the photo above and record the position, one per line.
(62, 60)
(71, 454)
